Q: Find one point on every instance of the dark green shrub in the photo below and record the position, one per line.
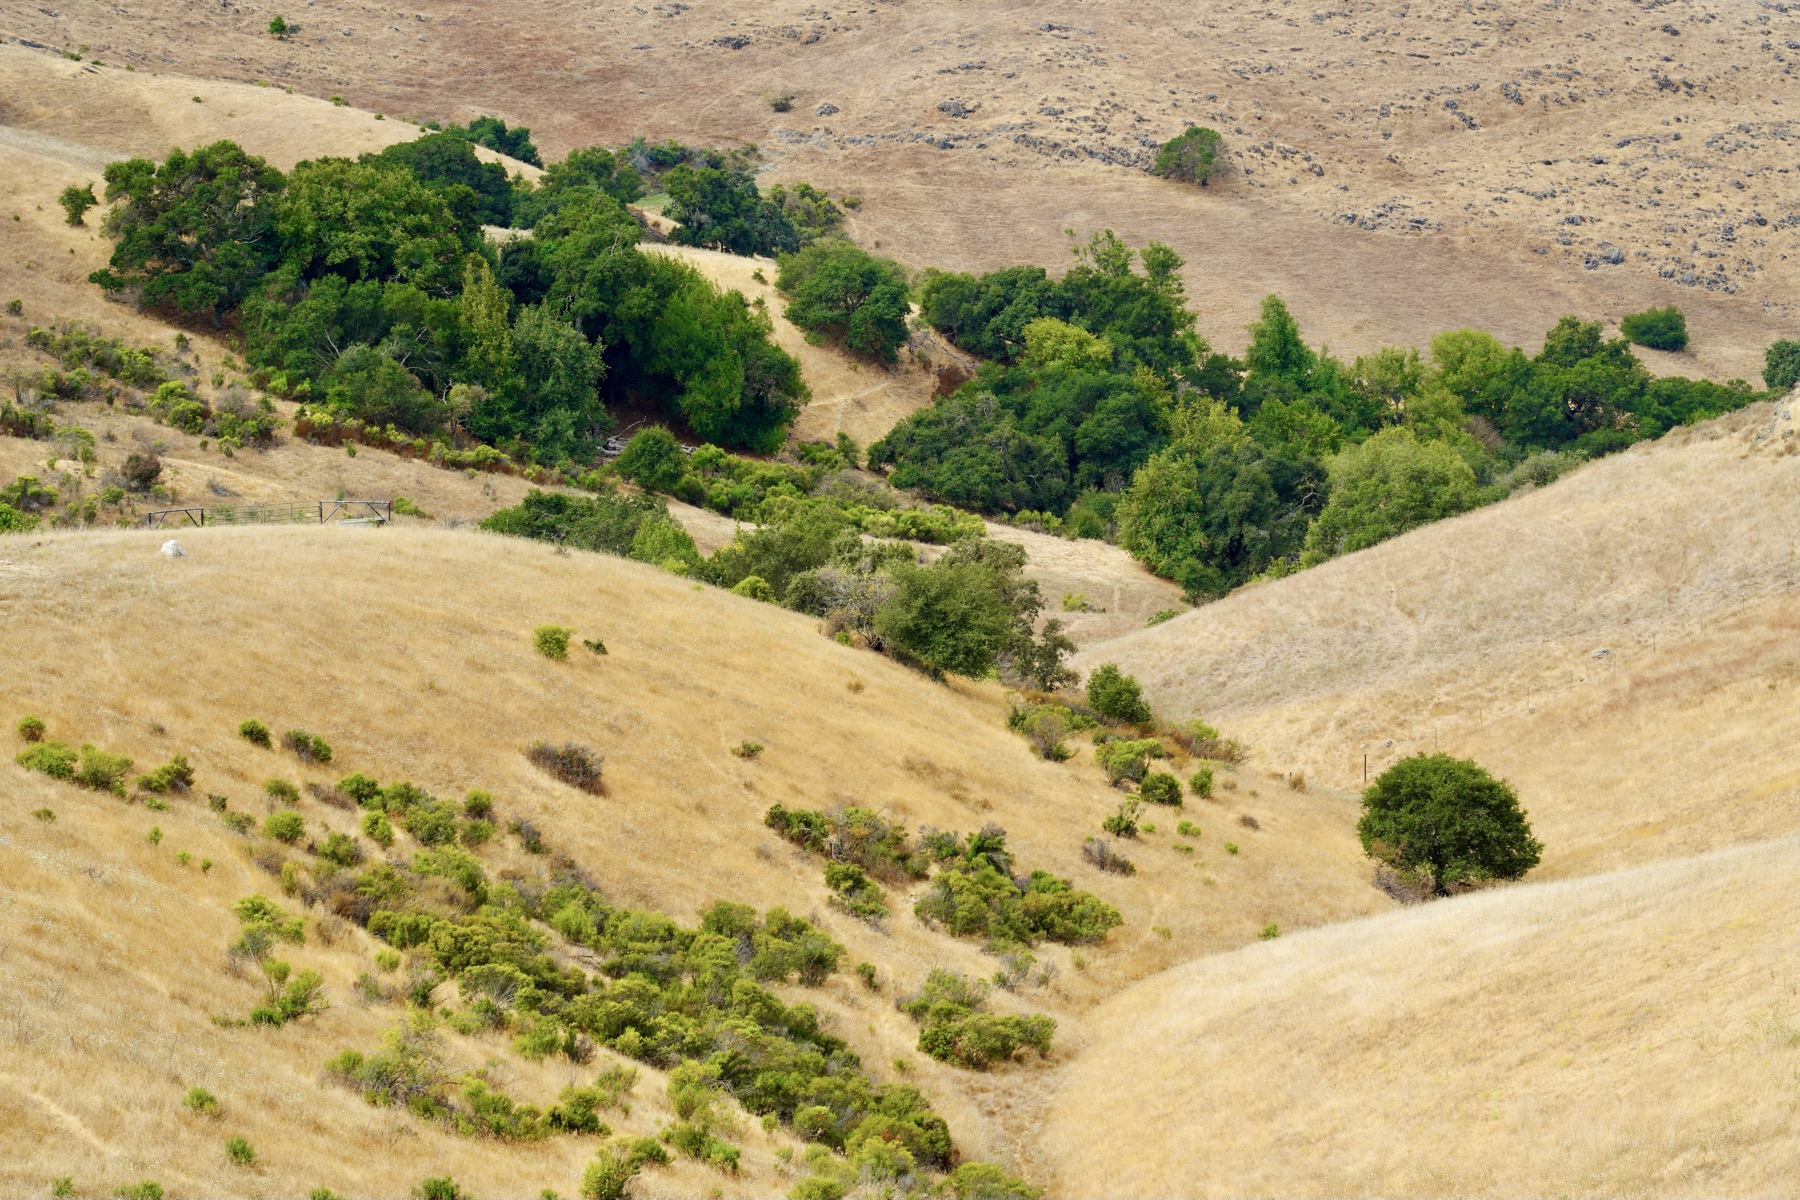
(1116, 696)
(76, 199)
(14, 521)
(173, 776)
(278, 27)
(838, 290)
(240, 1152)
(1447, 821)
(433, 823)
(755, 587)
(1160, 787)
(1657, 328)
(1781, 365)
(238, 822)
(950, 618)
(572, 763)
(1201, 783)
(444, 1188)
(1125, 760)
(101, 771)
(256, 733)
(52, 758)
(30, 728)
(479, 805)
(608, 1176)
(285, 826)
(552, 641)
(985, 1181)
(281, 791)
(143, 1189)
(476, 833)
(308, 747)
(653, 460)
(1044, 726)
(1191, 157)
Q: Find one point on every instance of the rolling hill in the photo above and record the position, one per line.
(1631, 1033)
(409, 650)
(1619, 645)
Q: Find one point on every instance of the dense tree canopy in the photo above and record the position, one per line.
(192, 232)
(841, 291)
(370, 288)
(1387, 485)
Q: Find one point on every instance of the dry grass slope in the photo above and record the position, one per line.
(1622, 1035)
(1619, 645)
(409, 651)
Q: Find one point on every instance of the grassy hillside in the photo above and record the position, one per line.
(409, 650)
(1627, 1034)
(1595, 642)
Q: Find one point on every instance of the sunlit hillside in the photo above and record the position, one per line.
(1619, 645)
(1623, 1035)
(410, 651)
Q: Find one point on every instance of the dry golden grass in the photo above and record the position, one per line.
(409, 650)
(1623, 1035)
(1480, 636)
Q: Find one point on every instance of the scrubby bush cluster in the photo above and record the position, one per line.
(974, 892)
(955, 1026)
(664, 994)
(970, 613)
(89, 767)
(307, 747)
(758, 491)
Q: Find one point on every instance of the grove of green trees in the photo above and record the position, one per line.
(1101, 412)
(372, 290)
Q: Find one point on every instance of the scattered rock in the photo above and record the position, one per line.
(959, 108)
(732, 41)
(1602, 652)
(825, 110)
(172, 549)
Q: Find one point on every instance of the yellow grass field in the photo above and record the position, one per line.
(1629, 1034)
